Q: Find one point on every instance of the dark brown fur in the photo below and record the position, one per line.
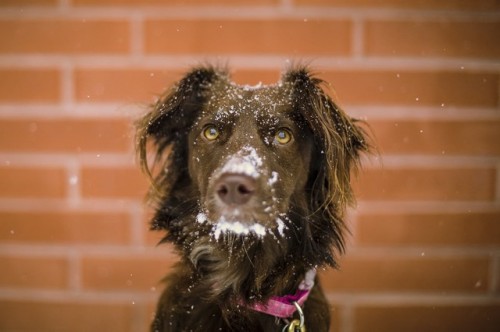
(218, 273)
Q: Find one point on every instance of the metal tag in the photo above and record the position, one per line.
(295, 326)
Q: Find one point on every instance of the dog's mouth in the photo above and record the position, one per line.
(242, 225)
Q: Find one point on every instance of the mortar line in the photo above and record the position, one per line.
(495, 275)
(358, 38)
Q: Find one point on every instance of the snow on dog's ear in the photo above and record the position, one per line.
(339, 141)
(165, 127)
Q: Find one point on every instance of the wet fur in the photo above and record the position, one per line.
(215, 276)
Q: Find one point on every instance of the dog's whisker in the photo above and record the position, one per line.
(246, 253)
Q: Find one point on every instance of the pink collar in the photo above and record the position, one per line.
(282, 306)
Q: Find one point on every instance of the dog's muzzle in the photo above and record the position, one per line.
(235, 189)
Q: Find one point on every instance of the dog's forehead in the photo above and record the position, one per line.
(259, 101)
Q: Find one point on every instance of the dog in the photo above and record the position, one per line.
(251, 184)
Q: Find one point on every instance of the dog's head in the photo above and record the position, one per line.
(251, 162)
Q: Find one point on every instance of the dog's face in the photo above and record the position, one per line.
(249, 155)
(253, 163)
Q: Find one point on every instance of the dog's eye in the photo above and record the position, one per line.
(283, 136)
(211, 133)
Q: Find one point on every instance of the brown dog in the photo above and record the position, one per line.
(251, 184)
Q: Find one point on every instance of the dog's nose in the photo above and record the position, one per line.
(235, 189)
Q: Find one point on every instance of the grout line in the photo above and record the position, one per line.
(422, 162)
(340, 63)
(282, 10)
(424, 252)
(49, 205)
(423, 113)
(126, 160)
(164, 253)
(136, 36)
(498, 95)
(76, 111)
(104, 160)
(347, 318)
(352, 226)
(388, 207)
(495, 275)
(75, 270)
(79, 296)
(132, 110)
(357, 38)
(496, 194)
(66, 85)
(137, 227)
(184, 61)
(73, 183)
(389, 299)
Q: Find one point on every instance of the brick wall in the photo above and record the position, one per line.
(75, 252)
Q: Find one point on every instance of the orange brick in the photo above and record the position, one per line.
(440, 137)
(434, 229)
(32, 182)
(138, 273)
(428, 38)
(411, 4)
(409, 274)
(28, 86)
(64, 36)
(113, 182)
(415, 88)
(65, 316)
(66, 135)
(70, 227)
(33, 272)
(171, 2)
(153, 238)
(482, 317)
(427, 184)
(124, 85)
(246, 36)
(16, 3)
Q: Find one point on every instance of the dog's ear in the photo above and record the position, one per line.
(339, 141)
(164, 129)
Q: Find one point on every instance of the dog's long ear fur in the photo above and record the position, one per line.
(339, 141)
(166, 127)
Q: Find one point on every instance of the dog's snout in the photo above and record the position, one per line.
(235, 189)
